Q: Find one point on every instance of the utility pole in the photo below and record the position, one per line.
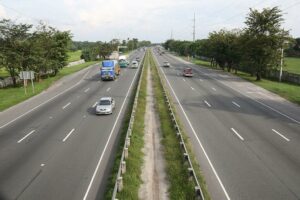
(194, 27)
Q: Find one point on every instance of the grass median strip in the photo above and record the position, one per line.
(177, 172)
(13, 95)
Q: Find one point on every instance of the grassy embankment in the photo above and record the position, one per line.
(131, 179)
(286, 90)
(177, 173)
(11, 96)
(74, 56)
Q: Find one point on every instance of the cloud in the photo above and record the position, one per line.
(148, 19)
(2, 12)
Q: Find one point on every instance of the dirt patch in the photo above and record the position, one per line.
(155, 184)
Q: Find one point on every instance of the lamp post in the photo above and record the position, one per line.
(281, 60)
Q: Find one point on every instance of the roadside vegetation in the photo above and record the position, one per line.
(13, 95)
(253, 53)
(131, 179)
(74, 56)
(292, 65)
(256, 49)
(176, 169)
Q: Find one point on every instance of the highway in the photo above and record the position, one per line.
(246, 140)
(58, 148)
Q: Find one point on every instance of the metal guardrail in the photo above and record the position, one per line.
(186, 156)
(122, 168)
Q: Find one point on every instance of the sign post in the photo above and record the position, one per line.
(27, 75)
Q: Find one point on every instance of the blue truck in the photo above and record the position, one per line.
(110, 70)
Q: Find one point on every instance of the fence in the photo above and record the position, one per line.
(186, 156)
(286, 76)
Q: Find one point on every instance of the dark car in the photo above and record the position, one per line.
(188, 72)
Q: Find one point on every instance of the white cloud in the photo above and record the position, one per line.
(2, 12)
(146, 19)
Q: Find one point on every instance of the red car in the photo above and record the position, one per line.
(188, 72)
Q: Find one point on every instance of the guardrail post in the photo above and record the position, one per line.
(123, 167)
(198, 195)
(186, 157)
(129, 132)
(120, 183)
(181, 144)
(178, 134)
(127, 142)
(125, 152)
(191, 173)
(176, 127)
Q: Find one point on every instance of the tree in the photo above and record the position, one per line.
(14, 40)
(263, 38)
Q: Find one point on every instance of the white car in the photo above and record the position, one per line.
(134, 64)
(105, 106)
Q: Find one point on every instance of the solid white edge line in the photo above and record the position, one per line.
(86, 90)
(236, 104)
(68, 135)
(287, 139)
(114, 126)
(241, 138)
(29, 111)
(23, 138)
(194, 132)
(66, 105)
(207, 103)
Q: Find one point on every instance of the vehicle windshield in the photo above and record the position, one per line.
(104, 103)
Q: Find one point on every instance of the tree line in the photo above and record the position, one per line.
(254, 49)
(23, 47)
(100, 50)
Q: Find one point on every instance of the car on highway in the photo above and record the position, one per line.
(105, 106)
(134, 64)
(166, 64)
(137, 59)
(188, 72)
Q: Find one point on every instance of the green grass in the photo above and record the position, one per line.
(74, 55)
(292, 65)
(131, 179)
(11, 96)
(180, 186)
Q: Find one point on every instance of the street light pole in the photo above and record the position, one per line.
(281, 64)
(281, 60)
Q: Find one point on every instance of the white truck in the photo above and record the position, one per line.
(114, 55)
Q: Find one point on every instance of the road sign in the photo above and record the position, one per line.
(26, 75)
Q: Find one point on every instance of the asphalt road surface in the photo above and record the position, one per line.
(57, 148)
(246, 139)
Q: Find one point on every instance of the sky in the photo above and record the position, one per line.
(154, 20)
